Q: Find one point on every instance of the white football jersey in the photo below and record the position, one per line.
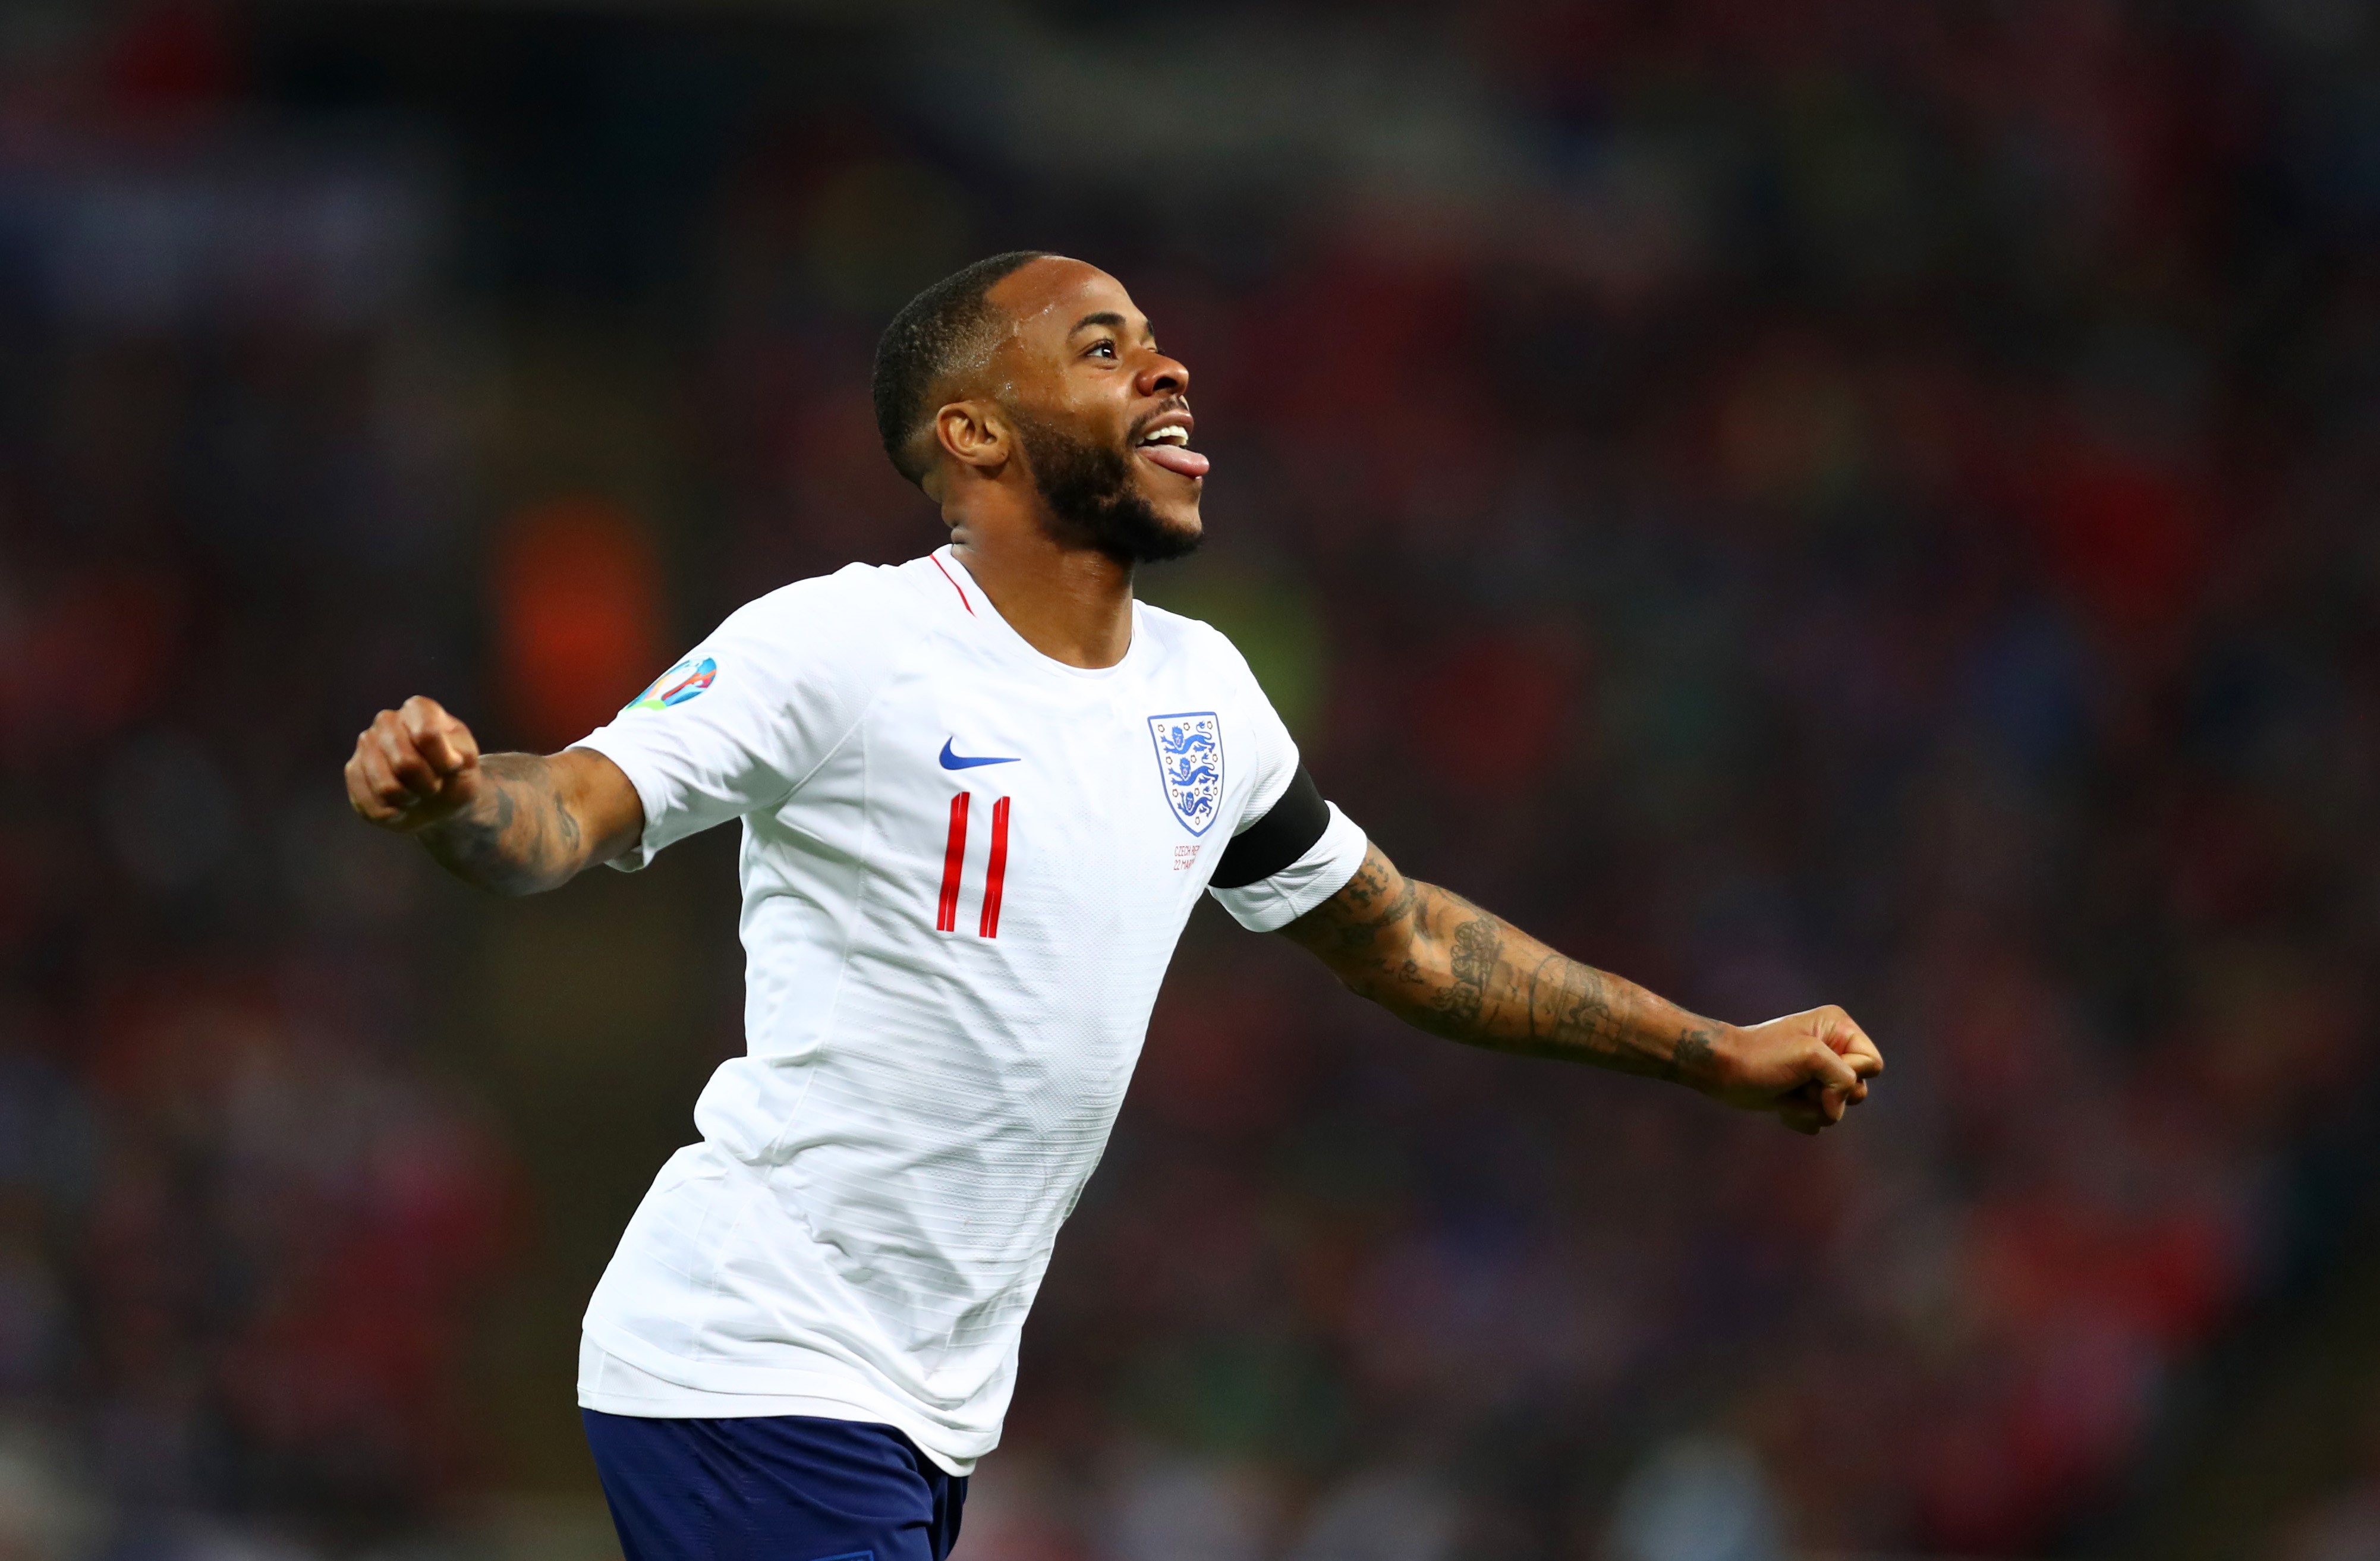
(964, 868)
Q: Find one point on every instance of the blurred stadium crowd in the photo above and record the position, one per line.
(1815, 502)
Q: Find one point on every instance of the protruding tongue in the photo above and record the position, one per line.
(1173, 457)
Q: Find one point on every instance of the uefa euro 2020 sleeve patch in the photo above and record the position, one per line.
(1190, 763)
(676, 686)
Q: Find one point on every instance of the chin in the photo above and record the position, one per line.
(1174, 510)
(1182, 531)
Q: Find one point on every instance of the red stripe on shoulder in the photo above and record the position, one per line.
(955, 586)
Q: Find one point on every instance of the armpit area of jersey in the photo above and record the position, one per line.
(1274, 841)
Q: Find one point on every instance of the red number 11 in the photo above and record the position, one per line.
(946, 916)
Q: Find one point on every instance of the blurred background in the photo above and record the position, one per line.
(1832, 500)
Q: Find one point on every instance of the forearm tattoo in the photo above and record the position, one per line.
(525, 838)
(1472, 964)
(1445, 965)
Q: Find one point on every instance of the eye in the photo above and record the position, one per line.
(1105, 347)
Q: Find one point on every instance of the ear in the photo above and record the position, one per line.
(975, 436)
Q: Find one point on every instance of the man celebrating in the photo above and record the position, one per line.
(980, 792)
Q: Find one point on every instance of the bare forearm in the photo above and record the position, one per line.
(1439, 962)
(1444, 965)
(521, 836)
(513, 823)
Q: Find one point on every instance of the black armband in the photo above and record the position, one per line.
(1279, 838)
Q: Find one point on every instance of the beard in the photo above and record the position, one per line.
(1087, 490)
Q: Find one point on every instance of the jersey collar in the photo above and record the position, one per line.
(985, 622)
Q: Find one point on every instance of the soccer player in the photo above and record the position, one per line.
(980, 792)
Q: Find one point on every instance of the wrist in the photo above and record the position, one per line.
(1705, 1055)
(475, 810)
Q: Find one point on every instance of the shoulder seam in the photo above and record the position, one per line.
(893, 669)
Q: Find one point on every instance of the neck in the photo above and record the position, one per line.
(1073, 605)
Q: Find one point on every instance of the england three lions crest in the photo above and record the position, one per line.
(1190, 763)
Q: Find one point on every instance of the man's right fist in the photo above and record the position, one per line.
(414, 766)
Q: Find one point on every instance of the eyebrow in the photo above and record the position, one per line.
(1109, 318)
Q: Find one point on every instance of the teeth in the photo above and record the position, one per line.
(1177, 434)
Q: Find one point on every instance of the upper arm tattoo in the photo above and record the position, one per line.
(1428, 954)
(565, 826)
(1373, 904)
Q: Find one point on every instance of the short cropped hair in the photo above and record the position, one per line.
(931, 338)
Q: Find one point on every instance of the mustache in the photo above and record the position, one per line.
(1173, 404)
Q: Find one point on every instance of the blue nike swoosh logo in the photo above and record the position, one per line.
(952, 761)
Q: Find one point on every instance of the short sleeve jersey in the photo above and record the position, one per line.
(964, 868)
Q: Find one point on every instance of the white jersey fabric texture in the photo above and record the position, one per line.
(965, 869)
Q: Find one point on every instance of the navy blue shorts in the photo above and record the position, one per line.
(772, 1488)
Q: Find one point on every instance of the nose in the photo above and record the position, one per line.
(1161, 375)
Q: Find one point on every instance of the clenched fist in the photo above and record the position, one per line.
(414, 766)
(1808, 1068)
